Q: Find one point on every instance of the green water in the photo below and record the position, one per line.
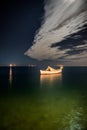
(34, 102)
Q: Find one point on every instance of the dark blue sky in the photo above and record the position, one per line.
(19, 22)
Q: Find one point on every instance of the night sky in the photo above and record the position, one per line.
(19, 21)
(44, 32)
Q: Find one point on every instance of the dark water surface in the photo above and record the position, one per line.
(29, 101)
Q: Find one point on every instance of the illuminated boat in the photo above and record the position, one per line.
(50, 70)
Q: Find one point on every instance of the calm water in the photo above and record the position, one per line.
(29, 101)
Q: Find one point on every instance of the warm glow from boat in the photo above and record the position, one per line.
(51, 70)
(50, 79)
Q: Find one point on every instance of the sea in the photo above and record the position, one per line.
(30, 101)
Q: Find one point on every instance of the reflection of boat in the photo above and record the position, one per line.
(50, 70)
(50, 78)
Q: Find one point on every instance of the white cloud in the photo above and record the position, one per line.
(61, 19)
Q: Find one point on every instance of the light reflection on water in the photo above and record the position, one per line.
(10, 76)
(50, 79)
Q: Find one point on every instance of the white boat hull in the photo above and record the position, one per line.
(45, 72)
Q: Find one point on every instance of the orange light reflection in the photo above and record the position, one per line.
(50, 79)
(10, 76)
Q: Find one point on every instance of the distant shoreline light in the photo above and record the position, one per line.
(12, 65)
